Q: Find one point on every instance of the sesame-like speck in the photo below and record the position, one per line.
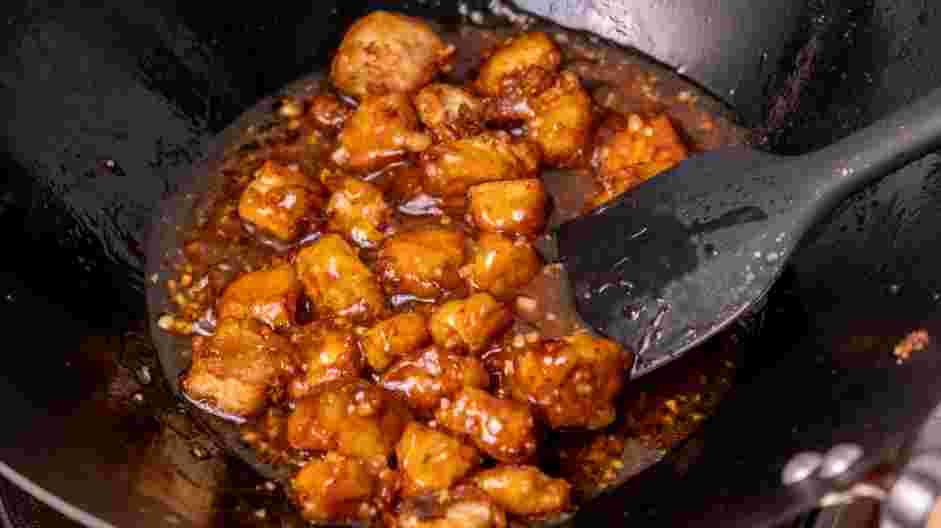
(165, 322)
(494, 426)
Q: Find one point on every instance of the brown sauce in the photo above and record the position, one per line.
(654, 414)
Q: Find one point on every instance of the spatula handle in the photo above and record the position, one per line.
(875, 151)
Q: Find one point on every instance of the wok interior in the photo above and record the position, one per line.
(96, 419)
(656, 414)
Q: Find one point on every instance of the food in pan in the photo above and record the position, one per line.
(362, 287)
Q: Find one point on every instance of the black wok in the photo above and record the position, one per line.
(105, 106)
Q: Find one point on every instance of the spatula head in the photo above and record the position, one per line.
(678, 258)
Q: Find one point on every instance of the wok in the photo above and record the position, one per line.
(105, 107)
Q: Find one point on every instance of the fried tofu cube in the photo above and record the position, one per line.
(516, 207)
(423, 262)
(337, 281)
(399, 336)
(504, 429)
(269, 295)
(639, 151)
(512, 63)
(469, 324)
(432, 375)
(382, 130)
(452, 168)
(501, 265)
(562, 121)
(386, 52)
(358, 211)
(335, 488)
(279, 200)
(525, 490)
(324, 353)
(450, 112)
(234, 369)
(350, 416)
(462, 507)
(572, 382)
(431, 460)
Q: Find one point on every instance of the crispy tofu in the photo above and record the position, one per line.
(572, 382)
(423, 262)
(269, 296)
(431, 460)
(279, 201)
(398, 336)
(234, 369)
(516, 207)
(384, 129)
(350, 416)
(432, 375)
(502, 265)
(504, 429)
(386, 52)
(337, 281)
(469, 324)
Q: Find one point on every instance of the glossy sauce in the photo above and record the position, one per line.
(219, 247)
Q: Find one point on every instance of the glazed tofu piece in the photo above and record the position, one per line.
(432, 375)
(279, 201)
(337, 281)
(234, 369)
(329, 111)
(269, 296)
(431, 460)
(324, 352)
(358, 211)
(516, 207)
(504, 429)
(452, 168)
(387, 52)
(382, 130)
(639, 151)
(450, 112)
(399, 336)
(517, 62)
(502, 265)
(352, 417)
(524, 490)
(572, 382)
(423, 262)
(562, 121)
(462, 507)
(469, 324)
(335, 488)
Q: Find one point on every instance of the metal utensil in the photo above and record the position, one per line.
(678, 258)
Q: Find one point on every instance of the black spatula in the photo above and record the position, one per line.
(678, 258)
